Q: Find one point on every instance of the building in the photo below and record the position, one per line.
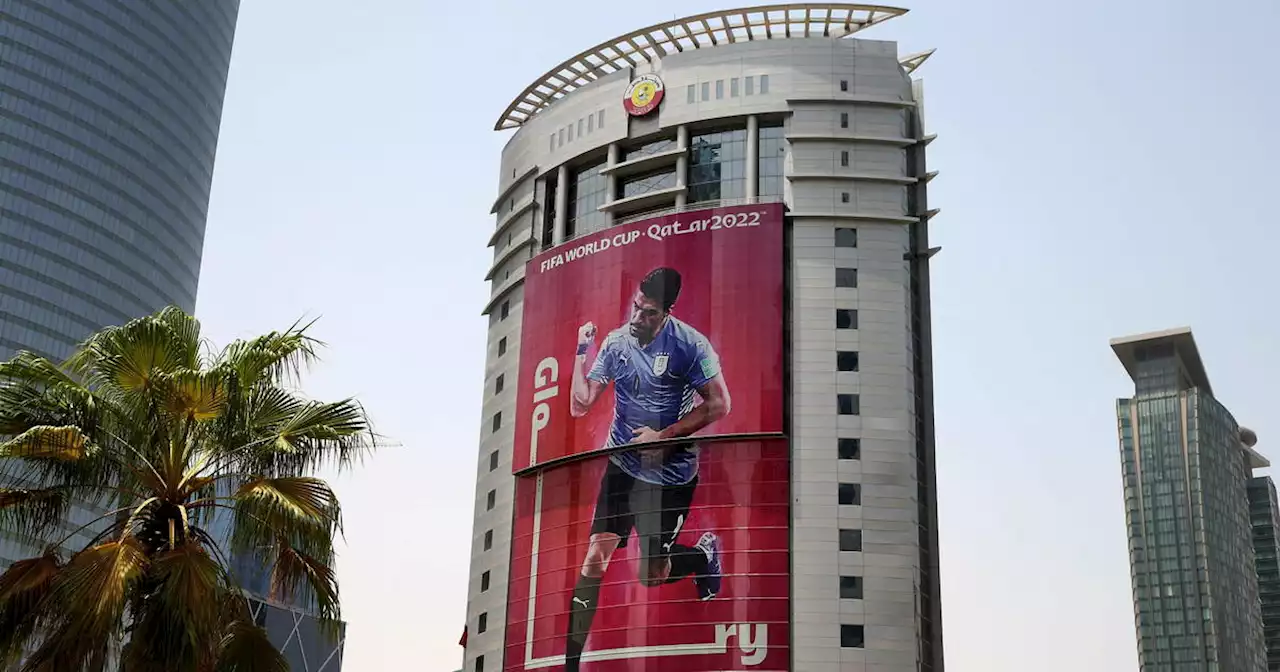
(1264, 513)
(1187, 468)
(291, 627)
(109, 117)
(767, 170)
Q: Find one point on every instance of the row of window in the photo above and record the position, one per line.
(848, 494)
(584, 126)
(748, 88)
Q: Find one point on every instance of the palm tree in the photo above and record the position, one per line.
(162, 435)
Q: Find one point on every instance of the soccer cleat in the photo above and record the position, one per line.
(709, 584)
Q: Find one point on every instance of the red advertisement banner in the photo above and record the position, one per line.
(653, 331)
(610, 573)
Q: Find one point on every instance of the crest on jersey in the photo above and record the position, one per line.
(660, 364)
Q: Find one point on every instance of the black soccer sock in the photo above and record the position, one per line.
(582, 609)
(685, 561)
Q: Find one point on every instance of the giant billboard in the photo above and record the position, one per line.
(653, 332)
(612, 572)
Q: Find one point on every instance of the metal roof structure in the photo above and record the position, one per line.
(701, 31)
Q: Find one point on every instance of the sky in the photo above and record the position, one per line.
(1104, 169)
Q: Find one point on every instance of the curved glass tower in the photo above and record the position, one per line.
(109, 116)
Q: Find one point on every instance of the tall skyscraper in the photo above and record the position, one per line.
(1264, 512)
(711, 227)
(109, 117)
(1187, 467)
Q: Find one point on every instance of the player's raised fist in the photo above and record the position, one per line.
(586, 333)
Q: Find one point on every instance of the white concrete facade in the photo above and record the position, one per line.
(877, 188)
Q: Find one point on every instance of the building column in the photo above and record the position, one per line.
(753, 156)
(611, 180)
(682, 165)
(562, 205)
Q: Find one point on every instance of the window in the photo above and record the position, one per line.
(849, 449)
(717, 166)
(849, 494)
(846, 237)
(848, 404)
(749, 83)
(850, 587)
(488, 539)
(719, 89)
(764, 84)
(502, 346)
(591, 122)
(693, 93)
(844, 159)
(581, 123)
(506, 310)
(851, 540)
(560, 138)
(844, 85)
(733, 87)
(499, 382)
(482, 623)
(570, 132)
(493, 460)
(600, 119)
(846, 318)
(846, 277)
(484, 581)
(851, 636)
(844, 120)
(553, 142)
(773, 154)
(497, 420)
(588, 190)
(844, 197)
(479, 663)
(846, 360)
(492, 498)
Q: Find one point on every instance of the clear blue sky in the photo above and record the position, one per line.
(1105, 168)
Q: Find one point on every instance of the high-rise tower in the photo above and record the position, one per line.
(1187, 466)
(109, 117)
(716, 228)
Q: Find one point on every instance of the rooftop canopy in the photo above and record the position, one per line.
(701, 31)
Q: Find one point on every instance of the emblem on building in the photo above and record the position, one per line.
(643, 95)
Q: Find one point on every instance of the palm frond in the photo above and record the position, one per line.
(194, 395)
(23, 589)
(87, 605)
(246, 648)
(46, 442)
(178, 618)
(312, 581)
(307, 499)
(33, 513)
(91, 591)
(274, 358)
(316, 435)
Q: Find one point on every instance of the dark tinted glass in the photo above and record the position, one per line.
(849, 494)
(851, 636)
(851, 587)
(846, 277)
(849, 449)
(847, 404)
(846, 319)
(846, 237)
(851, 540)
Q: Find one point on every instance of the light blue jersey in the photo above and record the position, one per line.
(654, 387)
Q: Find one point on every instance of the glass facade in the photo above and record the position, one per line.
(1264, 514)
(588, 190)
(1190, 539)
(299, 637)
(772, 162)
(109, 122)
(718, 166)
